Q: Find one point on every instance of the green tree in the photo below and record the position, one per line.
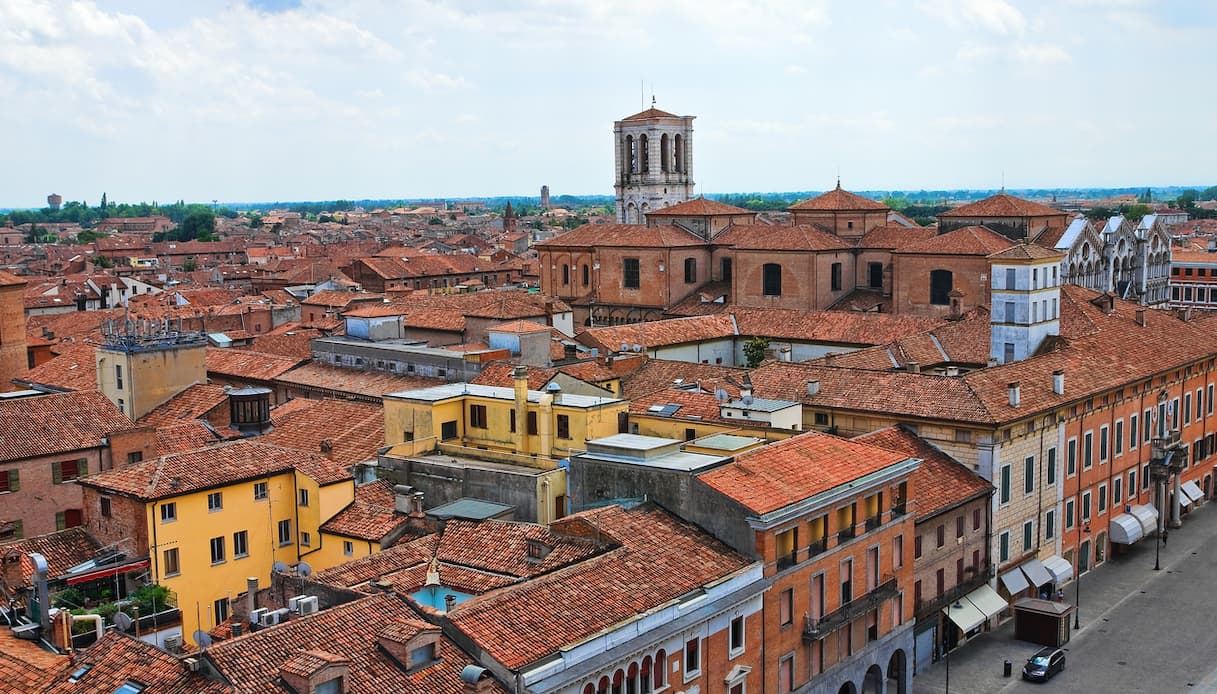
(1187, 199)
(754, 350)
(1134, 213)
(102, 261)
(200, 224)
(102, 207)
(190, 264)
(1146, 197)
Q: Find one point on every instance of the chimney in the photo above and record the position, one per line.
(1141, 317)
(1015, 393)
(403, 498)
(813, 387)
(952, 370)
(745, 390)
(914, 367)
(519, 380)
(237, 628)
(476, 680)
(449, 602)
(1058, 381)
(251, 594)
(417, 505)
(327, 448)
(992, 361)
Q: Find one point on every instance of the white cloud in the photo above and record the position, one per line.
(1041, 54)
(996, 16)
(425, 79)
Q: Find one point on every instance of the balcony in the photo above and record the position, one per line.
(846, 535)
(817, 547)
(899, 509)
(815, 629)
(874, 522)
(786, 561)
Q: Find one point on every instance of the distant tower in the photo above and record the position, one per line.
(509, 219)
(545, 197)
(654, 158)
(1026, 293)
(143, 364)
(54, 201)
(13, 359)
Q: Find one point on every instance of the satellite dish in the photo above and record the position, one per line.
(625, 347)
(637, 348)
(747, 399)
(721, 395)
(303, 569)
(123, 620)
(278, 568)
(201, 638)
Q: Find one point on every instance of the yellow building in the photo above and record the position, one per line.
(507, 443)
(139, 371)
(211, 518)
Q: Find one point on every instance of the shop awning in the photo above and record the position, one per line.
(1060, 569)
(1185, 499)
(987, 601)
(1036, 573)
(107, 572)
(964, 614)
(1193, 490)
(1147, 516)
(1014, 581)
(1126, 529)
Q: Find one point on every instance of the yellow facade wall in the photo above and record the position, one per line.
(149, 377)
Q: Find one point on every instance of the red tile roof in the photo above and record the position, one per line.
(62, 550)
(1002, 205)
(309, 426)
(75, 368)
(225, 463)
(118, 658)
(179, 438)
(623, 236)
(1027, 251)
(660, 333)
(964, 241)
(761, 237)
(248, 364)
(650, 113)
(895, 236)
(941, 482)
(659, 374)
(8, 279)
(338, 380)
(370, 516)
(519, 327)
(838, 200)
(786, 472)
(25, 667)
(48, 424)
(698, 207)
(196, 402)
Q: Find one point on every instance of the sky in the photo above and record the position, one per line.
(264, 100)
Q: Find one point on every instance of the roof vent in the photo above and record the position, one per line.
(914, 367)
(813, 387)
(1058, 381)
(1015, 393)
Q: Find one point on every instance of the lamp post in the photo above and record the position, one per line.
(1077, 601)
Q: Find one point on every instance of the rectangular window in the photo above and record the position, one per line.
(1132, 483)
(1071, 457)
(168, 512)
(1005, 484)
(847, 581)
(172, 566)
(897, 551)
(1003, 552)
(564, 427)
(1050, 525)
(1050, 471)
(1147, 424)
(1187, 407)
(1117, 491)
(1132, 431)
(1118, 441)
(10, 481)
(1199, 404)
(348, 548)
(1028, 535)
(217, 550)
(976, 519)
(959, 525)
(1209, 400)
(1103, 439)
(68, 470)
(737, 635)
(1102, 498)
(240, 544)
(511, 426)
(260, 491)
(104, 503)
(306, 539)
(836, 277)
(215, 501)
(942, 535)
(1069, 514)
(477, 416)
(532, 423)
(1085, 505)
(631, 276)
(221, 610)
(118, 376)
(786, 607)
(693, 656)
(134, 457)
(1145, 476)
(285, 532)
(917, 547)
(1029, 474)
(786, 674)
(1088, 450)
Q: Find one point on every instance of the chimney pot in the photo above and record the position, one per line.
(914, 367)
(1015, 393)
(251, 594)
(1058, 381)
(1141, 317)
(813, 387)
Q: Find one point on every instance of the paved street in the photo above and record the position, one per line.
(1142, 630)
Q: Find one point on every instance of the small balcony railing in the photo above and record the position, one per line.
(899, 509)
(817, 547)
(815, 629)
(874, 522)
(846, 535)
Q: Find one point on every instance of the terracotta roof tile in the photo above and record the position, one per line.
(118, 658)
(660, 333)
(25, 667)
(972, 240)
(1002, 205)
(179, 438)
(786, 472)
(699, 207)
(624, 236)
(838, 200)
(206, 468)
(247, 364)
(1027, 251)
(413, 552)
(650, 113)
(800, 237)
(75, 368)
(8, 279)
(659, 374)
(293, 343)
(63, 550)
(519, 327)
(196, 402)
(894, 236)
(49, 424)
(309, 426)
(370, 516)
(337, 379)
(941, 482)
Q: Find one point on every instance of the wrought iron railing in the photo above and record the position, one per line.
(815, 629)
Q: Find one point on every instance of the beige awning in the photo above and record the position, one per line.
(1193, 490)
(1125, 529)
(1014, 581)
(1148, 517)
(1036, 572)
(964, 614)
(987, 601)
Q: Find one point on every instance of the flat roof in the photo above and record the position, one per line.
(634, 441)
(456, 390)
(405, 347)
(761, 405)
(727, 442)
(470, 509)
(680, 461)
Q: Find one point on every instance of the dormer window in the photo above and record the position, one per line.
(422, 656)
(537, 550)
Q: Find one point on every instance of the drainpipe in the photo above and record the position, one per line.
(545, 416)
(519, 377)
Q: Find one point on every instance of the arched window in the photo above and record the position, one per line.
(618, 682)
(665, 154)
(589, 689)
(644, 676)
(603, 687)
(644, 155)
(661, 668)
(631, 679)
(586, 275)
(941, 282)
(631, 154)
(771, 279)
(678, 154)
(565, 274)
(690, 270)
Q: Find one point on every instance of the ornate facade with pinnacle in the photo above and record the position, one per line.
(654, 162)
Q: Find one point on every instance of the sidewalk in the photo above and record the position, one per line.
(976, 667)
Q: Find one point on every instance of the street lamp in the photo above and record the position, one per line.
(1077, 601)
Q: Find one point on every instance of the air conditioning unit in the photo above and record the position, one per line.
(256, 616)
(173, 644)
(293, 604)
(192, 664)
(308, 605)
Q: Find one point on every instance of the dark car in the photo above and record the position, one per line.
(1044, 664)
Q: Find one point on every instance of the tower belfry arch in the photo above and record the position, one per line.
(654, 162)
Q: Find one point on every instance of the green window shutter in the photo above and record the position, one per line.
(60, 521)
(14, 480)
(83, 467)
(56, 473)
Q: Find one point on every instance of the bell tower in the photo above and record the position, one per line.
(654, 163)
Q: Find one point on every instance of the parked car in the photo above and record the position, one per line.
(1044, 664)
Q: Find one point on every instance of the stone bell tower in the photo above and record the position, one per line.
(654, 163)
